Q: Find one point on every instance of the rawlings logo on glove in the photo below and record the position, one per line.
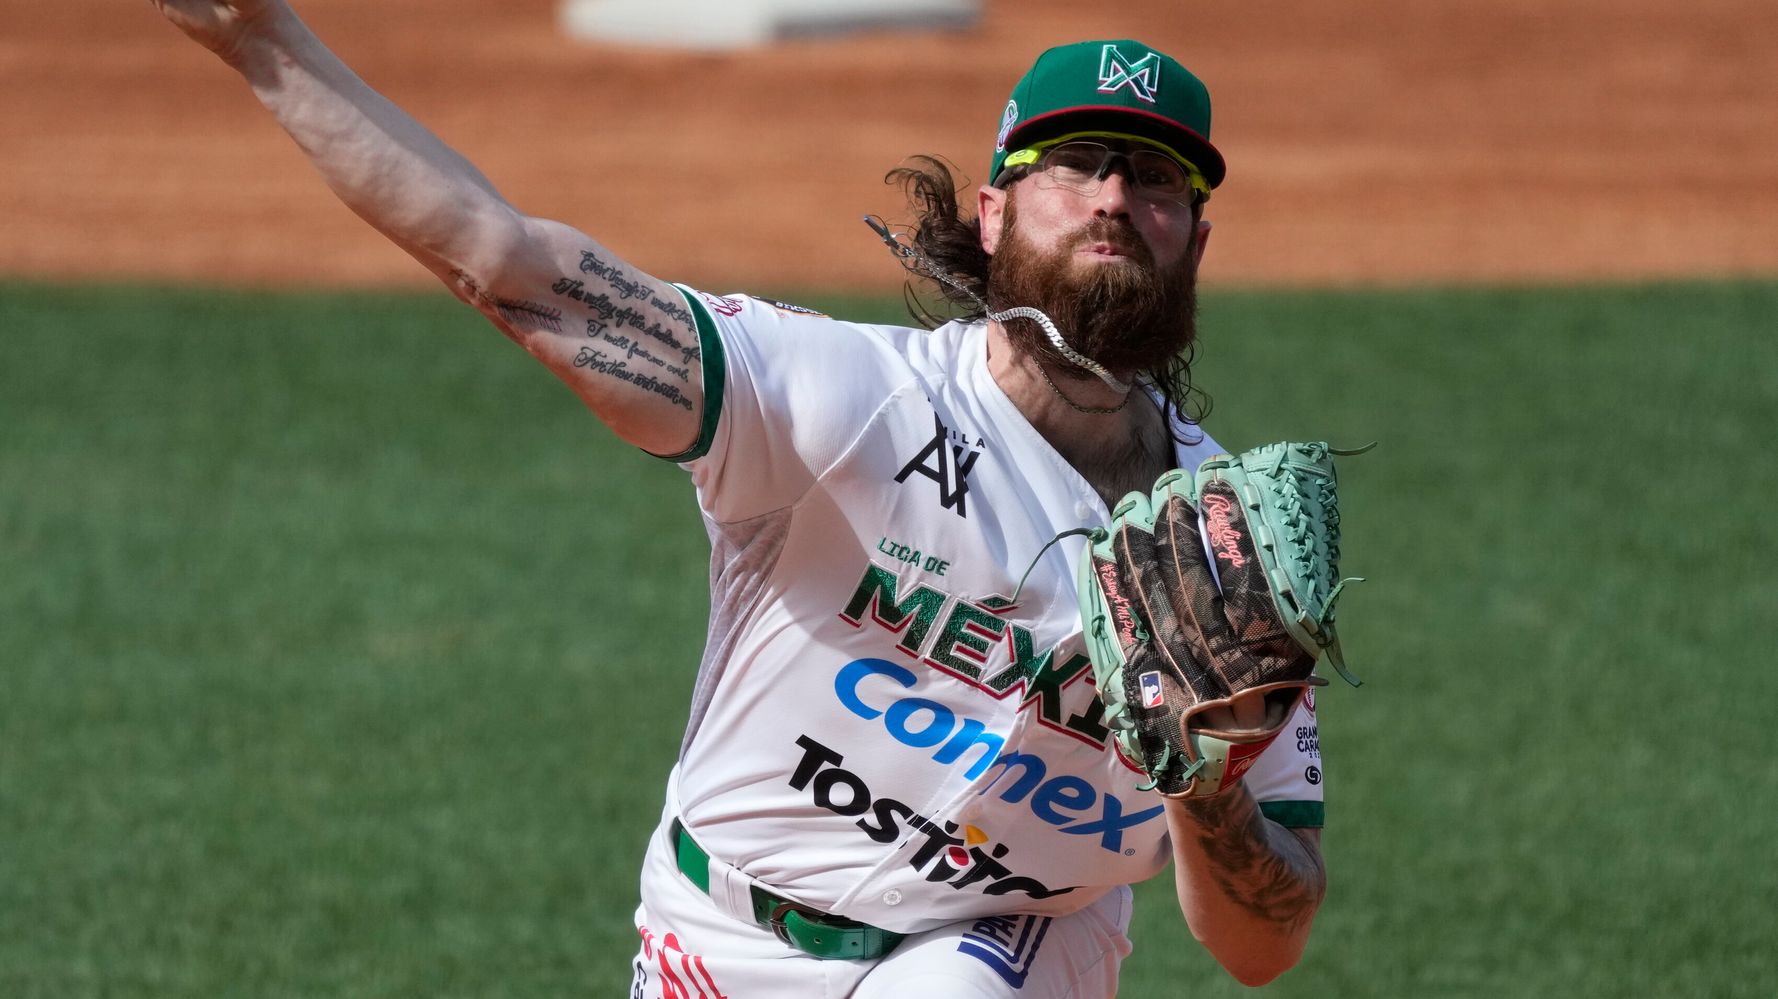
(1206, 604)
(1223, 537)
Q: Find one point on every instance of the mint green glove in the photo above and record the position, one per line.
(1206, 605)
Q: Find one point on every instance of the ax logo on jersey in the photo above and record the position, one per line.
(958, 637)
(945, 857)
(946, 460)
(1070, 803)
(1006, 944)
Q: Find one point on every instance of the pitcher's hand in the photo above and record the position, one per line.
(222, 26)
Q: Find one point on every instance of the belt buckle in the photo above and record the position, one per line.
(776, 919)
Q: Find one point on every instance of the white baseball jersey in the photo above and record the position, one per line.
(879, 729)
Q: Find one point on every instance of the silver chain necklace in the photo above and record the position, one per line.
(907, 251)
(1077, 407)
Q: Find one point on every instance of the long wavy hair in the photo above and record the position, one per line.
(952, 243)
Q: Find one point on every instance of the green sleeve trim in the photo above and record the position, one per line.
(1295, 814)
(715, 370)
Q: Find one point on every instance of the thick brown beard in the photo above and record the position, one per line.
(1128, 315)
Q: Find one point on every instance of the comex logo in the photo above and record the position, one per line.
(1070, 803)
(1143, 76)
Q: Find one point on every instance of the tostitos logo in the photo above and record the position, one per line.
(868, 688)
(959, 855)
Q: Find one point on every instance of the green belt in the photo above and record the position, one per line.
(809, 930)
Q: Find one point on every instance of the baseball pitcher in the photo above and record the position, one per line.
(996, 628)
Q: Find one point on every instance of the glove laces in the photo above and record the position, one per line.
(1097, 534)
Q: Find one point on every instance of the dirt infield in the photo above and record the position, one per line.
(1368, 141)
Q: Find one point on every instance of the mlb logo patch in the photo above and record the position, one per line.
(1151, 689)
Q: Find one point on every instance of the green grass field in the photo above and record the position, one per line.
(344, 653)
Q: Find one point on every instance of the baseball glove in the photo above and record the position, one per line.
(1214, 591)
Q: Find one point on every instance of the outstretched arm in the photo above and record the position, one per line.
(1249, 887)
(622, 340)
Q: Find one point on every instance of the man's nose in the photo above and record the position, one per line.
(1116, 190)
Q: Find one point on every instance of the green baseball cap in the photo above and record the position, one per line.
(1110, 87)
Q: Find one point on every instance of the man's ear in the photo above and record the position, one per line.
(1201, 240)
(989, 203)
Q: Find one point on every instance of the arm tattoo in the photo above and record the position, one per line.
(626, 286)
(469, 291)
(619, 333)
(673, 310)
(611, 311)
(631, 347)
(595, 359)
(533, 315)
(1262, 867)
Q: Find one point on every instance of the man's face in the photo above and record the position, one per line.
(1116, 271)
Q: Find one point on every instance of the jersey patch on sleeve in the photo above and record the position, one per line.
(792, 309)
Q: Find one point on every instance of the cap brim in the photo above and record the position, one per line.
(1133, 121)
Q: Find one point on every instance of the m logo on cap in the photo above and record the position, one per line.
(1143, 76)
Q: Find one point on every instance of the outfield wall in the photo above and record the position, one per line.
(730, 24)
(1368, 141)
